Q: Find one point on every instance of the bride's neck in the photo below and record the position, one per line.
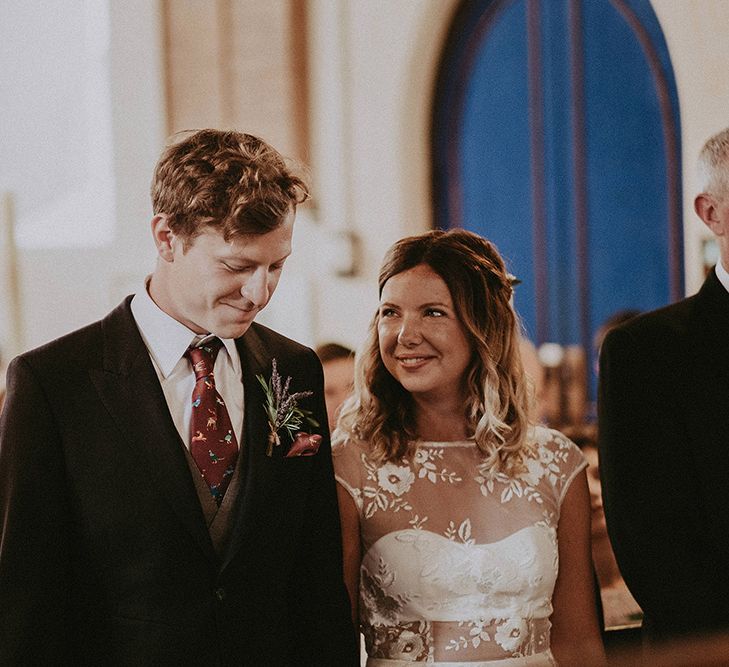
(439, 422)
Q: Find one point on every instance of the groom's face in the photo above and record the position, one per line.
(220, 286)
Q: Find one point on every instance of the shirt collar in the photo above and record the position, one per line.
(165, 337)
(722, 275)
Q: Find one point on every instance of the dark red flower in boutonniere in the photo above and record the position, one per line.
(304, 444)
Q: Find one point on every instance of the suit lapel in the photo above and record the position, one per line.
(707, 398)
(131, 392)
(709, 324)
(707, 373)
(258, 471)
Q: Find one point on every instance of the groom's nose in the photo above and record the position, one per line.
(255, 289)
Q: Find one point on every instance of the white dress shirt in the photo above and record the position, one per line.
(167, 340)
(722, 275)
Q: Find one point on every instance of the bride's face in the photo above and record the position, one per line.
(422, 342)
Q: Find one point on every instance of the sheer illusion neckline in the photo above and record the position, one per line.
(447, 443)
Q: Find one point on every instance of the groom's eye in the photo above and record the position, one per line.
(235, 269)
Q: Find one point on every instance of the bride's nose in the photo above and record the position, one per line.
(409, 334)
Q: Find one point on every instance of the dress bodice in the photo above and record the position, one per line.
(459, 563)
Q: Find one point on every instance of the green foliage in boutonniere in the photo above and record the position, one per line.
(282, 409)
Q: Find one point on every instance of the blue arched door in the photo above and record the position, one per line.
(556, 135)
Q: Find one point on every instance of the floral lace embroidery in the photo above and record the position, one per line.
(520, 486)
(425, 459)
(373, 595)
(393, 481)
(542, 463)
(412, 642)
(421, 595)
(513, 635)
(417, 523)
(463, 533)
(476, 635)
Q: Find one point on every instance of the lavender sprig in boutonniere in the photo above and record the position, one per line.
(282, 408)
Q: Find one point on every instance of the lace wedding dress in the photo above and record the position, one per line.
(458, 565)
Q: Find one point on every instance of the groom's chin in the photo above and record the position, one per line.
(232, 330)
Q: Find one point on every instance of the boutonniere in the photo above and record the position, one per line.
(283, 411)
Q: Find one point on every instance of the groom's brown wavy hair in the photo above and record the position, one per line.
(231, 181)
(380, 411)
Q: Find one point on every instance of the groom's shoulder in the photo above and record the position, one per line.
(277, 343)
(79, 346)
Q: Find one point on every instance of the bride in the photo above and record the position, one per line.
(465, 528)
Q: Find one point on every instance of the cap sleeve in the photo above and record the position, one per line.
(561, 458)
(348, 469)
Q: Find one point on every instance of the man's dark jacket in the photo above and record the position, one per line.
(664, 460)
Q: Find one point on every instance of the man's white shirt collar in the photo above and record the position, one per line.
(722, 275)
(165, 337)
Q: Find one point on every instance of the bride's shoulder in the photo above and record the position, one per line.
(550, 445)
(544, 436)
(346, 448)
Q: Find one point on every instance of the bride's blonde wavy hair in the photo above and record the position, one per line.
(380, 411)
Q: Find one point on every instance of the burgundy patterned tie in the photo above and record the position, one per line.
(213, 444)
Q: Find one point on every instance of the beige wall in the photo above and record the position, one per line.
(57, 152)
(356, 101)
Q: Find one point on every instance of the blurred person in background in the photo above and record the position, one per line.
(338, 364)
(535, 373)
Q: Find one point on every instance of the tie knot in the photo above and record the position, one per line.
(202, 357)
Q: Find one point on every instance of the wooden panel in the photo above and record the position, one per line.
(193, 82)
(240, 64)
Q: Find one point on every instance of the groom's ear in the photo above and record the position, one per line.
(163, 237)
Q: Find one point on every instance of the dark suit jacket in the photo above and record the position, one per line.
(664, 460)
(105, 557)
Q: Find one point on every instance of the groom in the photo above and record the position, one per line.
(150, 512)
